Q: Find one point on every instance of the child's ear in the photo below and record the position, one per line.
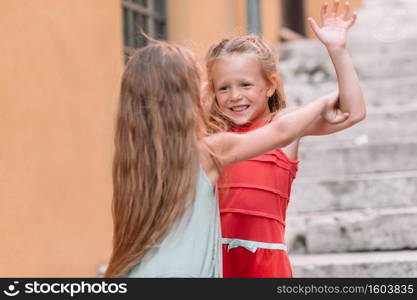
(272, 85)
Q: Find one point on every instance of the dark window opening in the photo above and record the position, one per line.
(142, 15)
(293, 15)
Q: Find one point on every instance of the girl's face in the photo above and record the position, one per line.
(240, 88)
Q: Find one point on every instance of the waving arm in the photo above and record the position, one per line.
(333, 35)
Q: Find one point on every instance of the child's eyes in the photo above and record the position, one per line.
(226, 88)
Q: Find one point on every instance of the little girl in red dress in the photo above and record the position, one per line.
(247, 94)
(254, 197)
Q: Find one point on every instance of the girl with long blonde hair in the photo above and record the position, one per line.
(165, 211)
(255, 194)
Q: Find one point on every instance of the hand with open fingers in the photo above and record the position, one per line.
(332, 112)
(334, 27)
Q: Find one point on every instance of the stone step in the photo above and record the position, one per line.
(379, 124)
(392, 24)
(389, 155)
(363, 264)
(393, 64)
(362, 43)
(381, 52)
(391, 92)
(355, 230)
(307, 61)
(382, 43)
(354, 192)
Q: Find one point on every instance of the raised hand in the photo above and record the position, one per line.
(332, 112)
(334, 27)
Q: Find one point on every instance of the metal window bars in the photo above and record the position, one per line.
(142, 15)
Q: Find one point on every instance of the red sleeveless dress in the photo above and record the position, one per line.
(253, 197)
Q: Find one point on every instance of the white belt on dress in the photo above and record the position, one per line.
(252, 245)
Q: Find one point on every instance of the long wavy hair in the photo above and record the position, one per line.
(159, 129)
(245, 44)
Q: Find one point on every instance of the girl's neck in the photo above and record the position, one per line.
(249, 126)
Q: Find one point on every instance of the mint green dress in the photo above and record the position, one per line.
(193, 247)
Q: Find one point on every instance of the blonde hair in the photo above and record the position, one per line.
(246, 44)
(160, 124)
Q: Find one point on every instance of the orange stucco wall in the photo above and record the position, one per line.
(271, 19)
(61, 63)
(199, 24)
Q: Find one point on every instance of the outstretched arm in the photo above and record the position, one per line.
(333, 35)
(232, 147)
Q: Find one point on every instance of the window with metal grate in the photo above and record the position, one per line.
(142, 15)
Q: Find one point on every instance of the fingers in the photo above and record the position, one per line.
(313, 25)
(346, 10)
(334, 93)
(335, 7)
(323, 12)
(339, 117)
(352, 19)
(333, 96)
(342, 117)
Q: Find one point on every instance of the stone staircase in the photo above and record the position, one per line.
(353, 211)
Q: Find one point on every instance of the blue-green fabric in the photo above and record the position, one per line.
(193, 247)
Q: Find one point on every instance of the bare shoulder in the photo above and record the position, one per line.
(209, 167)
(212, 145)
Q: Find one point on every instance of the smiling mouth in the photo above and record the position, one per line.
(239, 108)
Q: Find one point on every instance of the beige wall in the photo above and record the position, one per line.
(199, 24)
(271, 19)
(61, 63)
